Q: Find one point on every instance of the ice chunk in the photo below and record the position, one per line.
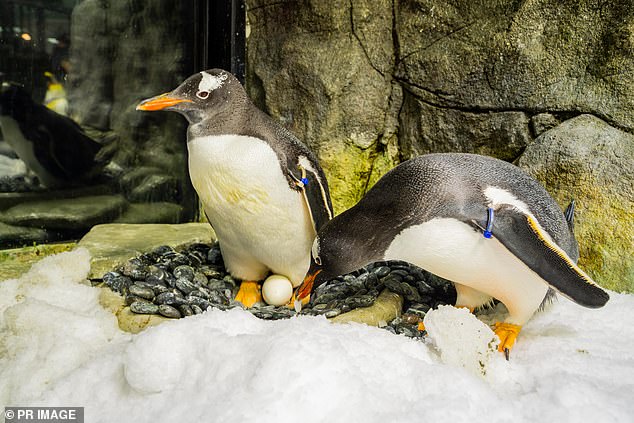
(461, 338)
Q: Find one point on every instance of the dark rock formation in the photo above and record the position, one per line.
(588, 160)
(73, 214)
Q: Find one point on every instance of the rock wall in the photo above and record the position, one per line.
(368, 84)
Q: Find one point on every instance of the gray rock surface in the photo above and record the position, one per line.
(534, 56)
(17, 236)
(429, 129)
(10, 199)
(324, 69)
(586, 159)
(73, 214)
(156, 188)
(368, 84)
(159, 212)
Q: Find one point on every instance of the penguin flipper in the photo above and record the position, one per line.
(522, 235)
(315, 192)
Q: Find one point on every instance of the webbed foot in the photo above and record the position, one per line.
(507, 332)
(250, 292)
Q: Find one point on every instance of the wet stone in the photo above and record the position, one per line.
(153, 280)
(200, 279)
(382, 271)
(214, 256)
(169, 298)
(135, 269)
(159, 289)
(144, 307)
(169, 311)
(117, 282)
(184, 272)
(185, 310)
(141, 291)
(185, 286)
(129, 299)
(156, 272)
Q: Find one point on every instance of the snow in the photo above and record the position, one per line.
(12, 168)
(59, 347)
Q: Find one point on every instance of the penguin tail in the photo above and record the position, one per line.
(570, 215)
(522, 235)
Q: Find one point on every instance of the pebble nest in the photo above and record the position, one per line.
(182, 283)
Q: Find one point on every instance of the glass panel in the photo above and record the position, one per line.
(74, 152)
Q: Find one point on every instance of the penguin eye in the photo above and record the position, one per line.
(317, 260)
(202, 94)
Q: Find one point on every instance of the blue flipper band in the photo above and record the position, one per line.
(487, 232)
(304, 181)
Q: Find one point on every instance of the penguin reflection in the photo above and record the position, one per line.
(53, 146)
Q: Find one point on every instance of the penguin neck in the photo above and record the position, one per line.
(358, 251)
(230, 118)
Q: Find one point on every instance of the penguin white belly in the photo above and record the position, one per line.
(261, 223)
(24, 149)
(455, 251)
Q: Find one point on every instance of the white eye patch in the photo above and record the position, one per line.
(210, 82)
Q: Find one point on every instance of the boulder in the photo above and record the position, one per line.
(157, 188)
(17, 236)
(367, 84)
(159, 212)
(70, 214)
(324, 70)
(430, 129)
(522, 56)
(588, 160)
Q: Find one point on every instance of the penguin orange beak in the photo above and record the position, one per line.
(160, 102)
(306, 287)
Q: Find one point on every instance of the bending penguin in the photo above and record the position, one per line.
(477, 221)
(53, 146)
(263, 191)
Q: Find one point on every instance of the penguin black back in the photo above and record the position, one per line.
(59, 144)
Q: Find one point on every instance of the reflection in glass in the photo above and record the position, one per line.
(73, 150)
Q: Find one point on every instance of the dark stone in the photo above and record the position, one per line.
(155, 212)
(144, 307)
(157, 188)
(169, 311)
(19, 236)
(66, 214)
(590, 161)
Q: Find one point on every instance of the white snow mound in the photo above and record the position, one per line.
(462, 339)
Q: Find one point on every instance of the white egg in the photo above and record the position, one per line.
(277, 290)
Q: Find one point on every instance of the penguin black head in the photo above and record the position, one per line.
(200, 96)
(337, 249)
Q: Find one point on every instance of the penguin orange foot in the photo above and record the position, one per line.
(507, 332)
(249, 293)
(303, 301)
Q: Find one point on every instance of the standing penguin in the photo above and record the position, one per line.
(55, 98)
(477, 221)
(263, 191)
